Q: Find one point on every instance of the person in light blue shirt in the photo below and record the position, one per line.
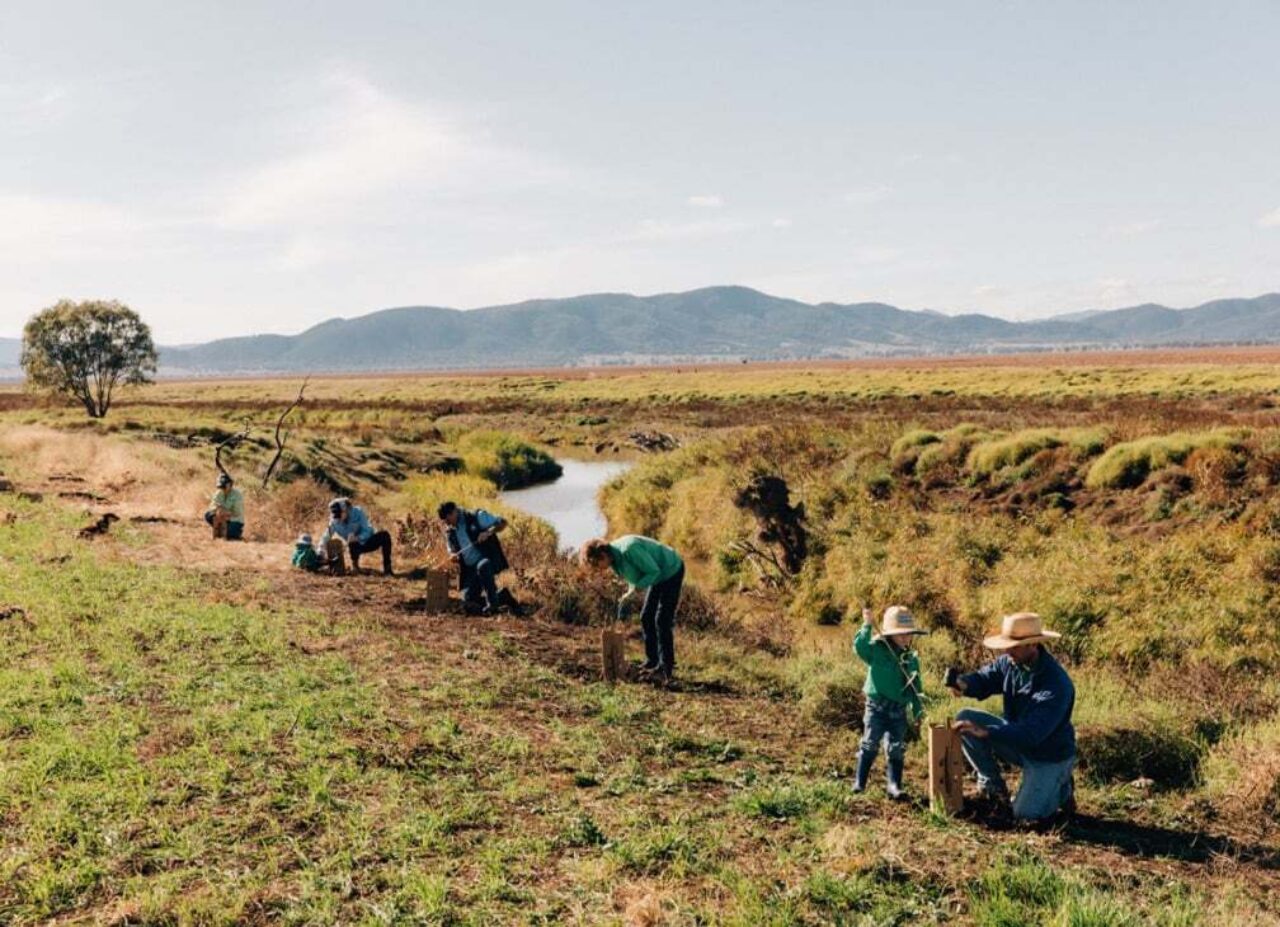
(350, 524)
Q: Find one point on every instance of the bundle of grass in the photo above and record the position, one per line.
(990, 456)
(1169, 759)
(1129, 464)
(943, 461)
(505, 460)
(907, 449)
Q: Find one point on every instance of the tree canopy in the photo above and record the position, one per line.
(86, 349)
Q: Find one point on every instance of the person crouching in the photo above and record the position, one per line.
(892, 689)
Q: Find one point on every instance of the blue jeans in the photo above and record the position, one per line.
(1045, 788)
(885, 721)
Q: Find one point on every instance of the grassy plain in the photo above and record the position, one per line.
(190, 734)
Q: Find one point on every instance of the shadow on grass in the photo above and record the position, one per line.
(1152, 842)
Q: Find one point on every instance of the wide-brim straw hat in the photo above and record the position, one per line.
(897, 621)
(1018, 629)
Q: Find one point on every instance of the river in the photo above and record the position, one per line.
(569, 503)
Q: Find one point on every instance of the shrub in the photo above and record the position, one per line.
(1129, 464)
(950, 453)
(1169, 758)
(906, 450)
(505, 460)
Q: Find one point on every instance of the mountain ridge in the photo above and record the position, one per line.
(711, 323)
(725, 323)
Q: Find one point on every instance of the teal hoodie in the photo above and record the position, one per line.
(888, 670)
(644, 562)
(305, 557)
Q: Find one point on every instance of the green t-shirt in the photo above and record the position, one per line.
(232, 500)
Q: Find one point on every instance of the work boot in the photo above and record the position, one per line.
(865, 759)
(893, 778)
(508, 601)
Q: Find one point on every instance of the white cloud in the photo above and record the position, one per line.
(706, 201)
(781, 223)
(657, 230)
(865, 196)
(876, 255)
(988, 289)
(39, 229)
(27, 107)
(1133, 229)
(368, 149)
(1271, 220)
(1114, 288)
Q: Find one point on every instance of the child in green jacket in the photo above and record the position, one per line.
(305, 556)
(892, 688)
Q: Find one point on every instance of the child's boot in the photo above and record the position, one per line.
(893, 775)
(865, 759)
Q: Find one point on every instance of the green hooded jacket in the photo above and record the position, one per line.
(889, 670)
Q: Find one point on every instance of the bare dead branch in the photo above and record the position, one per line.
(229, 444)
(281, 442)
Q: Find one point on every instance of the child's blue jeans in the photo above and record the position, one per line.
(885, 721)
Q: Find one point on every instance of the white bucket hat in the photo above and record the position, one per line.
(897, 620)
(1018, 629)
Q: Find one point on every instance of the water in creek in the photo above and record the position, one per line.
(569, 503)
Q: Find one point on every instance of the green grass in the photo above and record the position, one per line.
(1129, 464)
(505, 460)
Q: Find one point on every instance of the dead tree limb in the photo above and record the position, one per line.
(229, 443)
(281, 442)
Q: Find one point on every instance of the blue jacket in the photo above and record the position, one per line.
(357, 524)
(1037, 706)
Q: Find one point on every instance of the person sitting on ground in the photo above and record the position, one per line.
(472, 540)
(306, 557)
(1035, 733)
(228, 509)
(892, 688)
(656, 568)
(348, 523)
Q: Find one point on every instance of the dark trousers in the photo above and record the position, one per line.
(658, 619)
(235, 529)
(480, 579)
(379, 540)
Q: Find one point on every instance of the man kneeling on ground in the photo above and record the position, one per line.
(1035, 732)
(348, 523)
(472, 539)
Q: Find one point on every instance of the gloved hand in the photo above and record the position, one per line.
(624, 607)
(951, 678)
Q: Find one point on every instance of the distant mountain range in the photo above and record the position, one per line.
(716, 323)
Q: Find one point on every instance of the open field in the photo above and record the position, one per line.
(192, 734)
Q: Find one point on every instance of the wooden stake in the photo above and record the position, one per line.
(946, 769)
(613, 655)
(436, 594)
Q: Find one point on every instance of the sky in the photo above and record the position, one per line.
(233, 168)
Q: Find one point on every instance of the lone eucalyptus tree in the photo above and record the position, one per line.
(85, 350)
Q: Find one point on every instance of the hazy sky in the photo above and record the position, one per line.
(241, 167)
